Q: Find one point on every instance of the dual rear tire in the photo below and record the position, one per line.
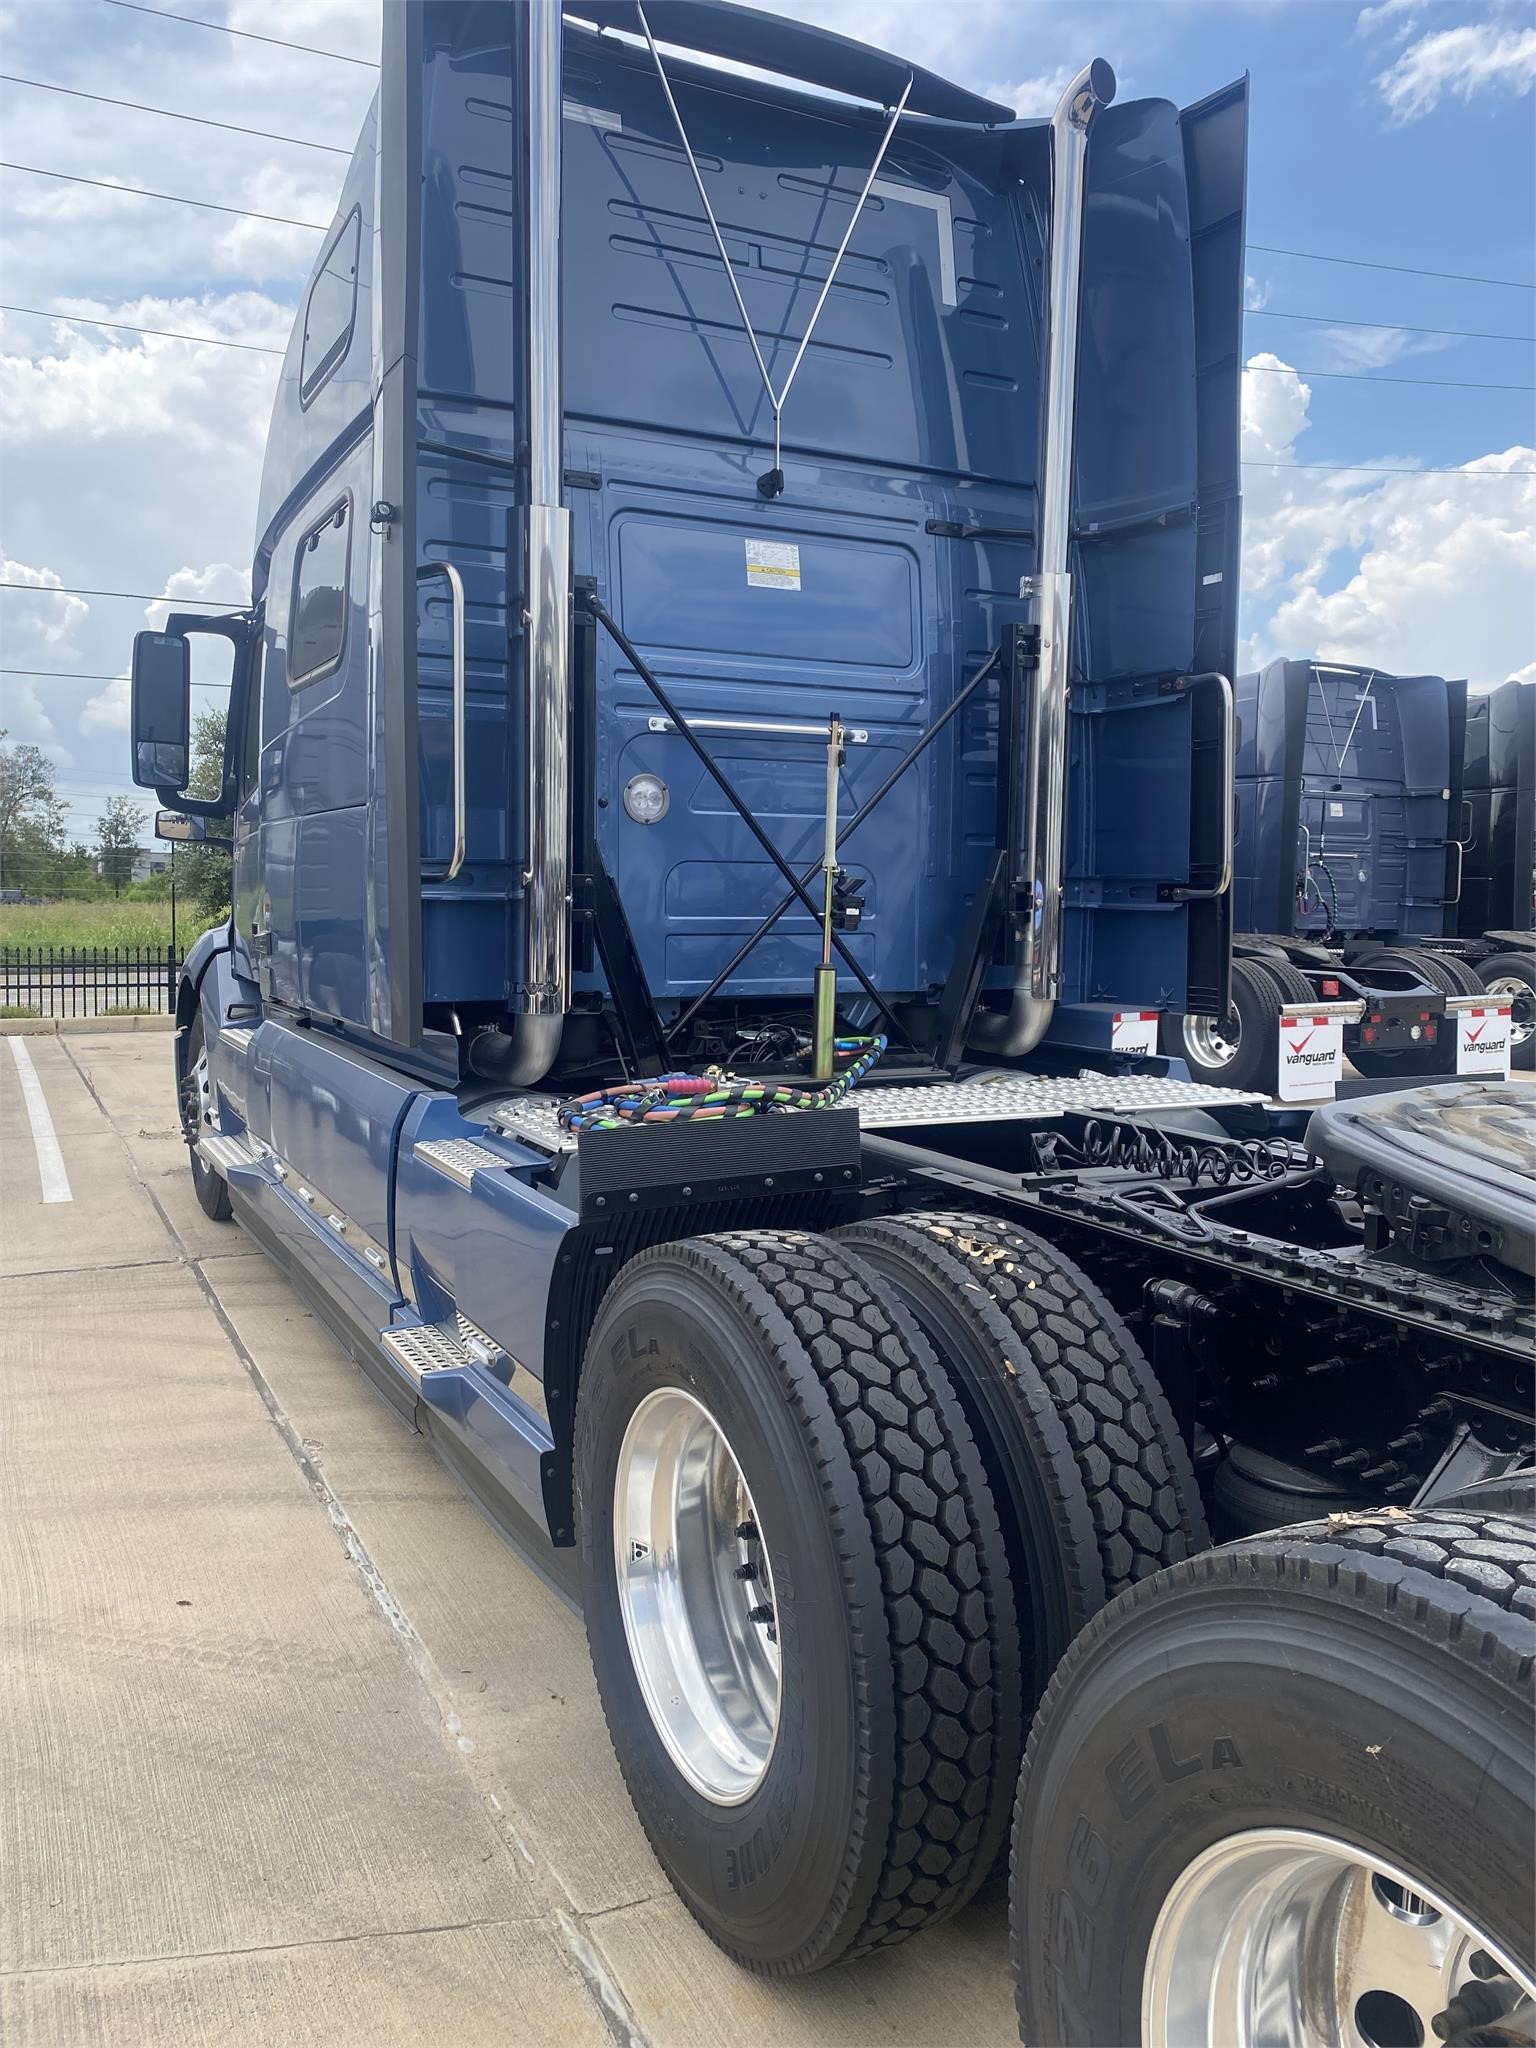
(825, 1489)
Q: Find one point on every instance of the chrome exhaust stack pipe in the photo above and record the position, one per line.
(524, 1057)
(1037, 981)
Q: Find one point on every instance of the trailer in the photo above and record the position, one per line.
(1348, 871)
(735, 700)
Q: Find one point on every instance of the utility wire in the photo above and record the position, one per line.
(102, 99)
(246, 34)
(172, 198)
(127, 327)
(1370, 377)
(1514, 284)
(1390, 326)
(65, 675)
(1366, 469)
(217, 604)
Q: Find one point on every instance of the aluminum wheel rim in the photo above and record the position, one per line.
(1213, 1041)
(1278, 1938)
(1519, 995)
(199, 1096)
(696, 1593)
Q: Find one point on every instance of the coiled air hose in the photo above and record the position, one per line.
(673, 1098)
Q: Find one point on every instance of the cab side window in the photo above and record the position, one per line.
(330, 311)
(317, 623)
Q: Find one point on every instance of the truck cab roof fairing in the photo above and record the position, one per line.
(794, 49)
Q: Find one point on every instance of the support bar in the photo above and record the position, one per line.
(642, 669)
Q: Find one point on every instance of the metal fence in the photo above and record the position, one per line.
(88, 981)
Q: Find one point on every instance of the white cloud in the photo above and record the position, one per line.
(1034, 98)
(1423, 572)
(1462, 62)
(107, 711)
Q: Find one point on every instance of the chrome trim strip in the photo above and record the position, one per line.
(770, 728)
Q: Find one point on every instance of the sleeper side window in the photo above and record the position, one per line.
(331, 308)
(317, 621)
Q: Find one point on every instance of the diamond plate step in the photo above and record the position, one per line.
(440, 1347)
(222, 1152)
(1010, 1098)
(459, 1158)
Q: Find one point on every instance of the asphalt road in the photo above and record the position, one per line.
(295, 1748)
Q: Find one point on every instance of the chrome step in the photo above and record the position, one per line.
(222, 1150)
(459, 1158)
(441, 1347)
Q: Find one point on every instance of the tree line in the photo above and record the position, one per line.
(38, 857)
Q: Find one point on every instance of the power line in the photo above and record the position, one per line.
(102, 99)
(1367, 469)
(1515, 284)
(127, 327)
(246, 34)
(171, 198)
(1370, 377)
(1390, 326)
(217, 604)
(65, 675)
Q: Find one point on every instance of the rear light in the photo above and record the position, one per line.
(1330, 988)
(1423, 1016)
(1368, 1033)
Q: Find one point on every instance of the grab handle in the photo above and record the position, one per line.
(1183, 892)
(460, 795)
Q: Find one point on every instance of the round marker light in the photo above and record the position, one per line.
(646, 798)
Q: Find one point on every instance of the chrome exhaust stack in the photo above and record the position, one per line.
(1037, 980)
(523, 1057)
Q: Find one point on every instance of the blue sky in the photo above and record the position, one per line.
(1402, 132)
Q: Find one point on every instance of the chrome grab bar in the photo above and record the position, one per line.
(1184, 893)
(460, 795)
(769, 728)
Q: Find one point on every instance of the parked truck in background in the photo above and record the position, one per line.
(744, 596)
(1347, 873)
(1494, 917)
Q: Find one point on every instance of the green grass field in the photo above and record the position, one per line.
(135, 926)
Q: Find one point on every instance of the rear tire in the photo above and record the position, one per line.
(210, 1186)
(1242, 1050)
(881, 1801)
(1087, 1467)
(1448, 977)
(1369, 1685)
(1513, 977)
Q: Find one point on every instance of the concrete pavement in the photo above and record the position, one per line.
(296, 1748)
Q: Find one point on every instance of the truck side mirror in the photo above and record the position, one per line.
(162, 711)
(185, 831)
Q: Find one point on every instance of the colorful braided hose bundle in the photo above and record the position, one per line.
(672, 1098)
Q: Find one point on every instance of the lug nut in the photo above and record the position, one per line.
(747, 1531)
(1325, 1449)
(762, 1613)
(1351, 1461)
(1389, 1468)
(746, 1571)
(1410, 1440)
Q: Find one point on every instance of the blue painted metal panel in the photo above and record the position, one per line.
(336, 1117)
(490, 1248)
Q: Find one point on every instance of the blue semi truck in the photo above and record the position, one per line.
(1349, 852)
(735, 693)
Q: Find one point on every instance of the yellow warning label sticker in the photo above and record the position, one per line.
(773, 565)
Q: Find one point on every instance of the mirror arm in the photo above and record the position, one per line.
(244, 629)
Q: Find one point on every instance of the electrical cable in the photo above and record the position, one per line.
(246, 34)
(280, 220)
(127, 327)
(1370, 377)
(76, 590)
(1514, 284)
(102, 99)
(678, 1098)
(1387, 326)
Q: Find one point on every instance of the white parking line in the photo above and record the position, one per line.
(50, 1160)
